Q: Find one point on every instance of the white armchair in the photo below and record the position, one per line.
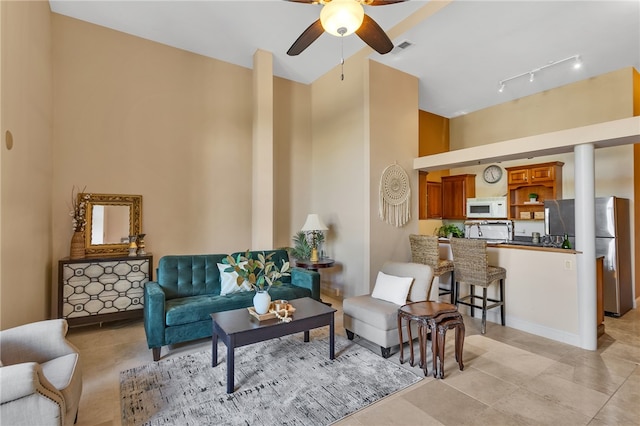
(40, 375)
(376, 320)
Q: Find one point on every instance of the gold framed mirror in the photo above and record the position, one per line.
(111, 219)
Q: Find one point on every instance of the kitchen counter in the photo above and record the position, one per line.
(541, 289)
(520, 245)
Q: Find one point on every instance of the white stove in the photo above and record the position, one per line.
(494, 231)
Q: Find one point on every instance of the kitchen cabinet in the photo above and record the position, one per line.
(430, 198)
(455, 191)
(102, 289)
(543, 179)
(434, 200)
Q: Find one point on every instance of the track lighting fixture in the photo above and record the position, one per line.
(576, 64)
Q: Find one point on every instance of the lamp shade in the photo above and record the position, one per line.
(341, 14)
(314, 223)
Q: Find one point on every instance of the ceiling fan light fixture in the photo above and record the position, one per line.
(341, 17)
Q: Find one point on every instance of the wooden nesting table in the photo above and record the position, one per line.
(238, 328)
(435, 318)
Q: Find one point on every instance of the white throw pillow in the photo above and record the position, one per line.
(228, 283)
(391, 288)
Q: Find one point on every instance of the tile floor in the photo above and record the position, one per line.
(512, 378)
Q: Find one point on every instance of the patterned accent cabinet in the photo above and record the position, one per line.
(93, 290)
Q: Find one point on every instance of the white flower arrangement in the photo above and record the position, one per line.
(78, 208)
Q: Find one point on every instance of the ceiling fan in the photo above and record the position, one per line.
(341, 18)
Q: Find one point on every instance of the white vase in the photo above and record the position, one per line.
(261, 302)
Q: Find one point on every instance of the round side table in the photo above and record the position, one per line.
(325, 262)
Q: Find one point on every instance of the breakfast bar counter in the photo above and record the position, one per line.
(541, 289)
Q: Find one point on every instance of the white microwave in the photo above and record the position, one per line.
(488, 207)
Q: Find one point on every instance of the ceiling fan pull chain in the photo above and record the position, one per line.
(341, 59)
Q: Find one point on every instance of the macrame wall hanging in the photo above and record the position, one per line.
(395, 196)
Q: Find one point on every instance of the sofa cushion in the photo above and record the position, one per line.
(190, 275)
(191, 309)
(392, 288)
(378, 313)
(229, 280)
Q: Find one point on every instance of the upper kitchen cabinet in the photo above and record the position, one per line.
(430, 200)
(455, 191)
(544, 180)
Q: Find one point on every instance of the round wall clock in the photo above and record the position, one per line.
(492, 174)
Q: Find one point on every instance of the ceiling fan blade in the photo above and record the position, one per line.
(372, 34)
(380, 2)
(309, 35)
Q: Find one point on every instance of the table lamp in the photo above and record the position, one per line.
(314, 225)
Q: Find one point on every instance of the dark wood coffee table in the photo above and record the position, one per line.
(239, 328)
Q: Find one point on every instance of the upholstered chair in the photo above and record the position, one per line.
(374, 316)
(40, 377)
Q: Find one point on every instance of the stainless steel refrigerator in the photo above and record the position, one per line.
(613, 241)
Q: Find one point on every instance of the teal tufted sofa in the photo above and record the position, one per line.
(187, 289)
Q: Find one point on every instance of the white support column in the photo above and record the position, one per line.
(586, 243)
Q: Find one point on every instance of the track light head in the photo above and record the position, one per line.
(531, 77)
(578, 63)
(501, 88)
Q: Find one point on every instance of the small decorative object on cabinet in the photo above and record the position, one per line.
(77, 245)
(455, 191)
(141, 251)
(133, 247)
(543, 180)
(102, 289)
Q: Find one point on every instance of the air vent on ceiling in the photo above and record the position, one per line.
(404, 45)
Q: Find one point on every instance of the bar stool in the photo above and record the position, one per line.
(425, 249)
(472, 267)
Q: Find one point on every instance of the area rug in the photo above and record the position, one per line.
(283, 381)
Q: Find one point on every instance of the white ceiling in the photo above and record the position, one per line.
(459, 54)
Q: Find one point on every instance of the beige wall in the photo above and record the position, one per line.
(26, 169)
(361, 125)
(393, 123)
(339, 172)
(292, 158)
(595, 100)
(137, 117)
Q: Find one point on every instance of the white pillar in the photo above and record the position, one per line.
(586, 243)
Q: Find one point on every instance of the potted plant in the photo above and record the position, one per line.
(260, 273)
(533, 197)
(301, 249)
(449, 231)
(305, 243)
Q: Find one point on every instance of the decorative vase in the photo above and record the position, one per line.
(77, 245)
(141, 251)
(133, 247)
(261, 302)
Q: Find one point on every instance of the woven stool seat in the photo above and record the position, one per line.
(425, 249)
(472, 268)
